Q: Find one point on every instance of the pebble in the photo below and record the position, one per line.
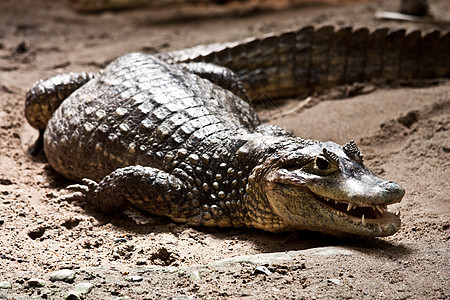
(36, 232)
(71, 296)
(120, 240)
(83, 288)
(63, 275)
(265, 258)
(195, 276)
(332, 251)
(80, 289)
(5, 285)
(122, 284)
(141, 262)
(135, 278)
(36, 282)
(262, 270)
(335, 281)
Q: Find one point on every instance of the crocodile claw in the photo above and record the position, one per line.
(78, 188)
(80, 191)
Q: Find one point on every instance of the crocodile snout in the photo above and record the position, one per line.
(393, 192)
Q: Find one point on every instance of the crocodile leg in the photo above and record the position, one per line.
(44, 98)
(222, 76)
(149, 189)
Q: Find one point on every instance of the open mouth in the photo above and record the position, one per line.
(360, 213)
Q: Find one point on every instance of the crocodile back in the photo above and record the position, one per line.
(141, 110)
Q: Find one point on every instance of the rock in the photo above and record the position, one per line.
(335, 281)
(163, 257)
(122, 284)
(5, 285)
(331, 251)
(120, 240)
(83, 288)
(276, 257)
(80, 289)
(36, 232)
(71, 223)
(71, 296)
(141, 262)
(195, 275)
(262, 270)
(35, 282)
(135, 278)
(63, 275)
(5, 181)
(22, 47)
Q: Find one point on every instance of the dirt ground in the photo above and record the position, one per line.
(403, 131)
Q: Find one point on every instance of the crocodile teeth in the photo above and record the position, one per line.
(363, 221)
(349, 206)
(397, 214)
(380, 208)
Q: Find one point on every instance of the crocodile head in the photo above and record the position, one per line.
(326, 187)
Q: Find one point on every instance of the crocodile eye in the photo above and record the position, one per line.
(321, 163)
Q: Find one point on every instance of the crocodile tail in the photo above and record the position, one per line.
(309, 60)
(45, 96)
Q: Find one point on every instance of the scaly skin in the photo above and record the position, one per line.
(152, 133)
(310, 60)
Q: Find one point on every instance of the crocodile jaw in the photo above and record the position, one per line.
(301, 209)
(369, 220)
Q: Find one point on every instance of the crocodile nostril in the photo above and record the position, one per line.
(394, 190)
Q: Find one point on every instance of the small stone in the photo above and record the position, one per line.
(120, 240)
(71, 223)
(71, 296)
(35, 282)
(36, 232)
(83, 288)
(5, 285)
(335, 281)
(141, 262)
(332, 251)
(122, 284)
(63, 275)
(262, 270)
(135, 278)
(22, 47)
(195, 276)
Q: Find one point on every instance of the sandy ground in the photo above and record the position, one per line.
(403, 131)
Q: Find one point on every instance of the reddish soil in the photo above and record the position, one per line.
(403, 131)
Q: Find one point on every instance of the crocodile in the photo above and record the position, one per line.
(174, 134)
